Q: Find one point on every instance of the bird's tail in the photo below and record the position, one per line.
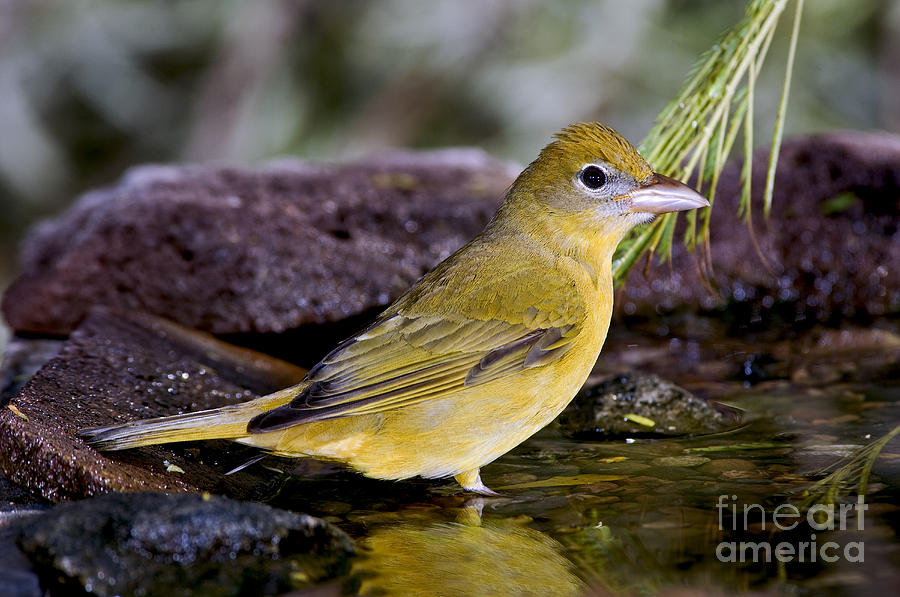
(227, 422)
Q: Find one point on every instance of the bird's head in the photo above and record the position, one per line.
(591, 181)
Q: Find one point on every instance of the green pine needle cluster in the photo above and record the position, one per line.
(696, 132)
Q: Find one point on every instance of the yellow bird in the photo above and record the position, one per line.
(481, 352)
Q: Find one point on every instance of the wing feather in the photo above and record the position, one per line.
(407, 357)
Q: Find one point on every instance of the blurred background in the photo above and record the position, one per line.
(89, 88)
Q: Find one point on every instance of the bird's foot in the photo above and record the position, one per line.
(471, 481)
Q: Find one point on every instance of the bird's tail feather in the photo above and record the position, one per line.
(227, 422)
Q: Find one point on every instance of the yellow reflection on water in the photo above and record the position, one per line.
(492, 558)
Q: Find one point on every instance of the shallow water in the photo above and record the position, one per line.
(635, 517)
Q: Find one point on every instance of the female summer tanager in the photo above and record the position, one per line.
(481, 352)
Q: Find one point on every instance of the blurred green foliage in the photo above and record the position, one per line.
(91, 87)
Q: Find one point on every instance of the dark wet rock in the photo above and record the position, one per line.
(14, 497)
(237, 250)
(116, 368)
(17, 576)
(830, 243)
(639, 404)
(156, 544)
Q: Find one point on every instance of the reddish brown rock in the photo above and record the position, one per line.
(236, 250)
(117, 368)
(832, 241)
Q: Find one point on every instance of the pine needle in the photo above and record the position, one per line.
(782, 111)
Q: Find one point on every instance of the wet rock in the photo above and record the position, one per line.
(14, 497)
(17, 576)
(156, 544)
(236, 250)
(829, 244)
(639, 404)
(115, 368)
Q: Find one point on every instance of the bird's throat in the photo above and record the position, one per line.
(586, 239)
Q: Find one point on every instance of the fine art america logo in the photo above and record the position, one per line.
(787, 517)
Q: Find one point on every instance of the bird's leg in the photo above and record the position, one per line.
(471, 481)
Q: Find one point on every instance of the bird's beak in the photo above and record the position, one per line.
(663, 194)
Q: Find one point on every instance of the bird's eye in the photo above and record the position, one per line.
(593, 177)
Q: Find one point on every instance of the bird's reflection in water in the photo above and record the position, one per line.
(495, 557)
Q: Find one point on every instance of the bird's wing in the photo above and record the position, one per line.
(402, 359)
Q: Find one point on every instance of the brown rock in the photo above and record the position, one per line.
(116, 368)
(831, 242)
(234, 250)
